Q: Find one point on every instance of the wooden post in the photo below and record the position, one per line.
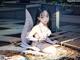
(57, 17)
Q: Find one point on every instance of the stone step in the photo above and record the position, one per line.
(17, 12)
(10, 31)
(12, 13)
(70, 18)
(11, 47)
(9, 39)
(70, 28)
(12, 2)
(9, 9)
(73, 43)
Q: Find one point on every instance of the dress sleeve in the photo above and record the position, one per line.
(31, 34)
(33, 31)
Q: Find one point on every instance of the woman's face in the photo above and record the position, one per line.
(44, 17)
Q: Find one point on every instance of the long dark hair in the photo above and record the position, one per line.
(39, 11)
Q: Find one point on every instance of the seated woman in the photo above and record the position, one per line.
(40, 32)
(39, 35)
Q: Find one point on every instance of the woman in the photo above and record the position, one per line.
(40, 33)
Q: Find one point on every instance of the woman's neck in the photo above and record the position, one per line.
(42, 24)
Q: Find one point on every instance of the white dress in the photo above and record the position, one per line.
(38, 35)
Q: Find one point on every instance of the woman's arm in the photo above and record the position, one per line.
(31, 34)
(48, 40)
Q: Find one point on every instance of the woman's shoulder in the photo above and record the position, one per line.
(36, 27)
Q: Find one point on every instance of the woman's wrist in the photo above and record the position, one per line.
(32, 39)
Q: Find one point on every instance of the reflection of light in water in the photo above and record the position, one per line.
(50, 50)
(55, 52)
(57, 19)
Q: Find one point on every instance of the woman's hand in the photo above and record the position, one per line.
(31, 38)
(51, 42)
(41, 39)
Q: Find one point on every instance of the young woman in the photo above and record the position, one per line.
(40, 33)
